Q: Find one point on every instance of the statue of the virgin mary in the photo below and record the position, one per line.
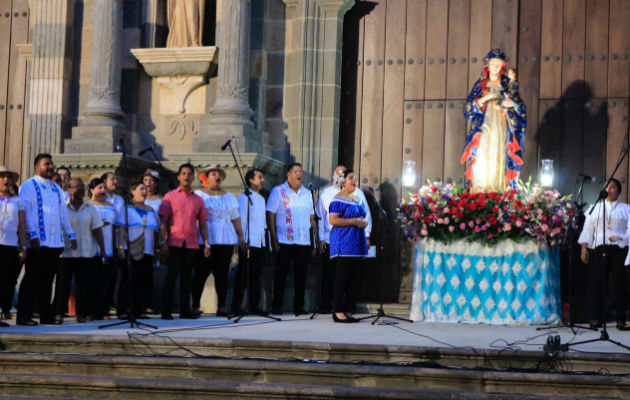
(498, 119)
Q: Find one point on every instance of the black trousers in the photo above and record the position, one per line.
(41, 266)
(218, 264)
(180, 262)
(256, 258)
(10, 268)
(104, 272)
(346, 286)
(86, 277)
(111, 281)
(141, 272)
(328, 279)
(613, 273)
(299, 256)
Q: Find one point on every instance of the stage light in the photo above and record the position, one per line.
(546, 173)
(409, 174)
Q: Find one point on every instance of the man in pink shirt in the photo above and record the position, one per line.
(182, 212)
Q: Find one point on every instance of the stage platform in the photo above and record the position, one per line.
(303, 358)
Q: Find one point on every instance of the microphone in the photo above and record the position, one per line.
(369, 188)
(587, 177)
(150, 148)
(227, 144)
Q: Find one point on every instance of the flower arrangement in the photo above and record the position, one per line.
(446, 213)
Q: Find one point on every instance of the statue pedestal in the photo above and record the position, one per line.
(180, 73)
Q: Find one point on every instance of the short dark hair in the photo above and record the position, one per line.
(40, 157)
(65, 169)
(106, 175)
(135, 185)
(251, 174)
(616, 182)
(185, 165)
(291, 166)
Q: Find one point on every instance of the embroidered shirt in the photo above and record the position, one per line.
(46, 214)
(183, 211)
(221, 211)
(9, 220)
(84, 221)
(323, 203)
(142, 221)
(292, 214)
(257, 218)
(347, 241)
(617, 215)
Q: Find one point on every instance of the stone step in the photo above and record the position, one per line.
(329, 352)
(77, 387)
(374, 377)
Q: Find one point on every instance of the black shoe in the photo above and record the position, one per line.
(168, 316)
(299, 312)
(221, 313)
(352, 319)
(594, 324)
(189, 316)
(621, 326)
(4, 324)
(343, 321)
(25, 322)
(48, 321)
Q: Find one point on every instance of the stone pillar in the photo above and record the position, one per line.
(50, 75)
(231, 113)
(100, 125)
(313, 81)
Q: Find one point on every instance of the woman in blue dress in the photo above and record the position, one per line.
(348, 246)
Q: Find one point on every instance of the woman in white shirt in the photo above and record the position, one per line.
(81, 261)
(143, 228)
(12, 240)
(224, 232)
(97, 192)
(151, 180)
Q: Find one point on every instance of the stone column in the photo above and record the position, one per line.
(100, 125)
(313, 81)
(51, 75)
(231, 113)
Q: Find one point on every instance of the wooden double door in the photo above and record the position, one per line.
(408, 66)
(14, 30)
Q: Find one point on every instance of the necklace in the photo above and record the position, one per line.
(609, 217)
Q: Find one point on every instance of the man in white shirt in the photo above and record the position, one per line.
(615, 247)
(328, 270)
(46, 221)
(290, 217)
(254, 233)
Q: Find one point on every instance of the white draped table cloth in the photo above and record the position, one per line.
(508, 283)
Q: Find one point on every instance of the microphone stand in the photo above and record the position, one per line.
(131, 317)
(382, 215)
(566, 242)
(314, 236)
(604, 337)
(247, 263)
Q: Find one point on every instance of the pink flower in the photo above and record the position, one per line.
(477, 221)
(477, 229)
(446, 210)
(446, 221)
(507, 227)
(424, 232)
(471, 223)
(440, 221)
(544, 227)
(462, 226)
(451, 228)
(519, 223)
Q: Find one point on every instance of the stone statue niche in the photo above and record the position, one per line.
(185, 23)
